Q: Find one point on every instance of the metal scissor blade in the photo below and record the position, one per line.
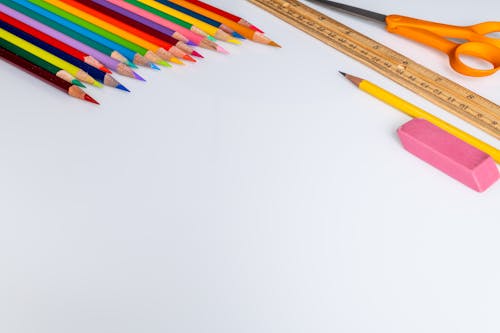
(354, 10)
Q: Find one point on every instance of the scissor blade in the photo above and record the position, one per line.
(354, 10)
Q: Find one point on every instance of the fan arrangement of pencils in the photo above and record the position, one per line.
(67, 42)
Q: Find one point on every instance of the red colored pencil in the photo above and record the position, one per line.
(227, 15)
(46, 76)
(103, 13)
(54, 42)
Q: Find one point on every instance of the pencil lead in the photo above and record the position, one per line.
(222, 50)
(138, 77)
(90, 99)
(176, 61)
(344, 74)
(234, 41)
(237, 35)
(191, 43)
(105, 70)
(212, 38)
(188, 58)
(122, 87)
(164, 63)
(97, 84)
(153, 66)
(196, 54)
(131, 64)
(271, 43)
(78, 83)
(253, 27)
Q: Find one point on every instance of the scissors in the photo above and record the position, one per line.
(437, 35)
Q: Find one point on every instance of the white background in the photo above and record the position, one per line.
(256, 192)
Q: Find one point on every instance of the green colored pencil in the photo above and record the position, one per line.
(148, 54)
(40, 62)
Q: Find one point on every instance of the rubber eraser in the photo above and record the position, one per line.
(449, 154)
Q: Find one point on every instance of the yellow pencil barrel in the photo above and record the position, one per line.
(416, 112)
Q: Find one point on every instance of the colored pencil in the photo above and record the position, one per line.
(172, 19)
(168, 21)
(97, 74)
(242, 30)
(130, 49)
(227, 15)
(98, 16)
(211, 30)
(54, 42)
(61, 73)
(21, 9)
(143, 25)
(111, 63)
(200, 17)
(416, 112)
(56, 61)
(45, 76)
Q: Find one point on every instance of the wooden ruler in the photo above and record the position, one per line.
(441, 91)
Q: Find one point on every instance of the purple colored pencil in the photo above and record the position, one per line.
(160, 28)
(106, 60)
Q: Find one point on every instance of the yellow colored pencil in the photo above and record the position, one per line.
(211, 30)
(416, 112)
(50, 58)
(154, 48)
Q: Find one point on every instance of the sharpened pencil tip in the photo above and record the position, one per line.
(234, 41)
(191, 43)
(131, 64)
(138, 77)
(197, 54)
(176, 61)
(90, 99)
(78, 83)
(122, 87)
(105, 70)
(188, 58)
(237, 35)
(271, 43)
(222, 50)
(153, 66)
(164, 63)
(97, 84)
(253, 27)
(344, 74)
(212, 38)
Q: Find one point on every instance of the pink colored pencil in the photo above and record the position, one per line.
(192, 36)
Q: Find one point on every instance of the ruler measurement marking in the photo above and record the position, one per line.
(450, 96)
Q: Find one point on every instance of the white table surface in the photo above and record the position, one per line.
(269, 196)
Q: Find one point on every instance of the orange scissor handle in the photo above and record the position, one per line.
(436, 34)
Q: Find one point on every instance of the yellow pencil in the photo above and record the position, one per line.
(153, 48)
(211, 30)
(416, 112)
(50, 58)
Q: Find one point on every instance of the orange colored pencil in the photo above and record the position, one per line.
(240, 29)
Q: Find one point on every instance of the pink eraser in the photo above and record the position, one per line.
(449, 154)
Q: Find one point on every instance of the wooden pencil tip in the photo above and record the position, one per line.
(188, 58)
(90, 99)
(105, 70)
(344, 74)
(274, 44)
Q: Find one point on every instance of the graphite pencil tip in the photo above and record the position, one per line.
(90, 99)
(122, 87)
(196, 54)
(344, 74)
(78, 83)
